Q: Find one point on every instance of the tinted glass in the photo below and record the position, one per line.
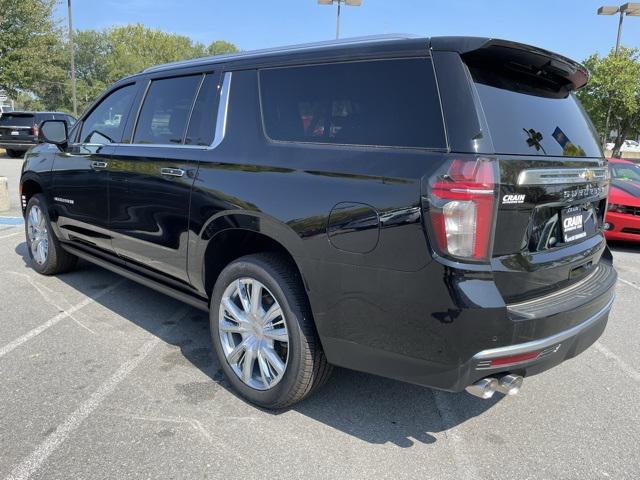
(384, 103)
(165, 111)
(105, 124)
(532, 118)
(625, 171)
(203, 119)
(17, 120)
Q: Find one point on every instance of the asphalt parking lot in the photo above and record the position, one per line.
(103, 378)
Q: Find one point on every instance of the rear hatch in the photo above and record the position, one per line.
(552, 180)
(16, 127)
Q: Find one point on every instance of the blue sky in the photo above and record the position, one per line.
(570, 27)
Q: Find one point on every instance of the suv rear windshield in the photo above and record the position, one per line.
(529, 117)
(17, 120)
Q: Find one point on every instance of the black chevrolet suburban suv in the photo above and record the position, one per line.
(429, 210)
(19, 130)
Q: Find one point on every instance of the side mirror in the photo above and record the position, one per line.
(54, 132)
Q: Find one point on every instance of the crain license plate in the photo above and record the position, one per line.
(573, 219)
(15, 132)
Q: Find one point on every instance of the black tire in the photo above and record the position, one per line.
(57, 259)
(14, 153)
(307, 368)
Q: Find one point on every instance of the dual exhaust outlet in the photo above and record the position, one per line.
(485, 388)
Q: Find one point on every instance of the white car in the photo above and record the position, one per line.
(627, 146)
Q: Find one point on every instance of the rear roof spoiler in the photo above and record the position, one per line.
(478, 48)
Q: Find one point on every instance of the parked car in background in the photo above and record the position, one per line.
(623, 211)
(19, 130)
(627, 146)
(5, 109)
(372, 203)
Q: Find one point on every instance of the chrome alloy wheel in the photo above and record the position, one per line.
(253, 333)
(38, 235)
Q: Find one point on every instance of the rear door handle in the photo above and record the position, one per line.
(172, 172)
(99, 164)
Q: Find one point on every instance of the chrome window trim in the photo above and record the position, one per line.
(223, 109)
(556, 176)
(221, 123)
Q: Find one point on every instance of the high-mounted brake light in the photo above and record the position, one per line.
(462, 201)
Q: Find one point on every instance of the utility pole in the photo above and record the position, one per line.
(73, 61)
(338, 21)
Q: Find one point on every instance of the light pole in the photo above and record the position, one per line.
(352, 3)
(631, 9)
(73, 62)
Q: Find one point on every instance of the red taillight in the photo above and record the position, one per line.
(513, 359)
(461, 205)
(34, 130)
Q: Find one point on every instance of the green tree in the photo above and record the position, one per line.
(615, 84)
(219, 47)
(104, 56)
(133, 48)
(29, 40)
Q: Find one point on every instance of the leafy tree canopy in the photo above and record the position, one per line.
(29, 39)
(36, 70)
(615, 84)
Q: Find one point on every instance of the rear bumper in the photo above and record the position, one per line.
(553, 349)
(451, 349)
(20, 146)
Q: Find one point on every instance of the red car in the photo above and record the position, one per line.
(623, 213)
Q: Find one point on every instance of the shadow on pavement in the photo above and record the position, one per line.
(628, 247)
(373, 409)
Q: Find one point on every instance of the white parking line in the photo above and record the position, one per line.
(11, 234)
(34, 461)
(627, 282)
(61, 316)
(624, 366)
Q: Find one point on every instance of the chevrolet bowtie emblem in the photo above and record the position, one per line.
(588, 175)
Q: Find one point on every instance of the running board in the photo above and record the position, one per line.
(194, 301)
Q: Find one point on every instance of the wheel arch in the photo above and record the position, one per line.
(230, 236)
(30, 184)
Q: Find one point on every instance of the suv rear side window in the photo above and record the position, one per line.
(165, 111)
(17, 120)
(105, 124)
(381, 103)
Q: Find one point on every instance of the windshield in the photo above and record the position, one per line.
(16, 120)
(625, 172)
(527, 118)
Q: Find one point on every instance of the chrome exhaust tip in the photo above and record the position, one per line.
(510, 384)
(484, 388)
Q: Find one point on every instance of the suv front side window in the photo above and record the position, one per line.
(105, 124)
